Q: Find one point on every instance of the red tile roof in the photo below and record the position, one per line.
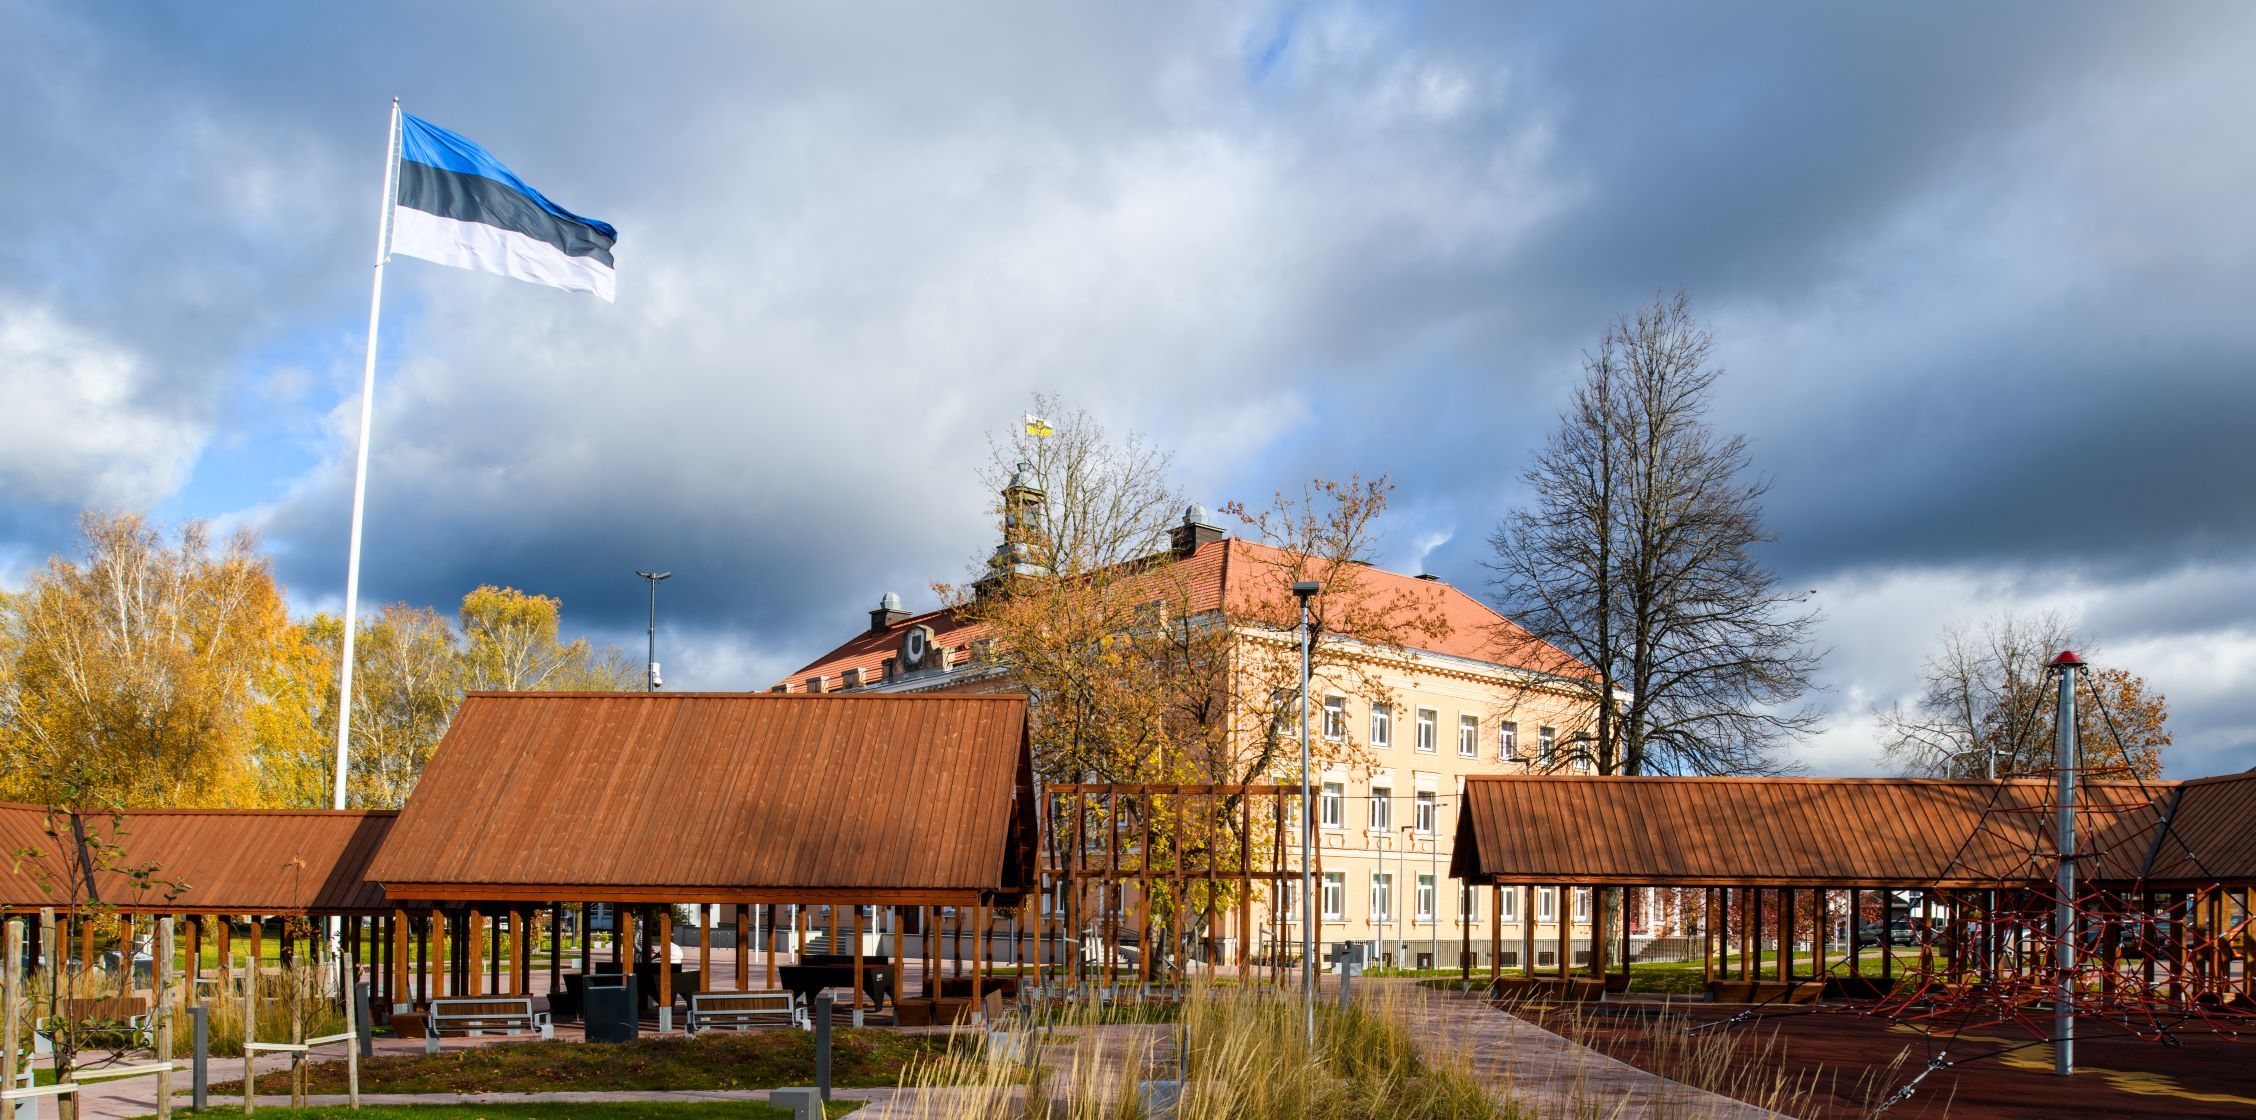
(1250, 577)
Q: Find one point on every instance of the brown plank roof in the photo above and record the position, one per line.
(2209, 836)
(226, 861)
(1893, 832)
(686, 797)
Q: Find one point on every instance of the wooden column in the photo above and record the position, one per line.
(556, 949)
(856, 1004)
(401, 929)
(474, 946)
(771, 954)
(1495, 934)
(978, 955)
(705, 948)
(1623, 956)
(623, 937)
(195, 957)
(799, 938)
(520, 981)
(1598, 939)
(435, 957)
(255, 966)
(663, 937)
(900, 958)
(1786, 924)
(85, 947)
(587, 943)
(743, 947)
(1527, 931)
(1707, 936)
(1820, 927)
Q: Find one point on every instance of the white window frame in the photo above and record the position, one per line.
(1425, 811)
(1334, 899)
(1428, 896)
(1468, 736)
(1508, 740)
(1382, 809)
(1382, 725)
(1582, 904)
(1335, 718)
(1382, 896)
(1429, 730)
(1331, 805)
(1510, 911)
(1546, 745)
(1546, 904)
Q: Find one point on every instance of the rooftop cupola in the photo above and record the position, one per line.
(1198, 528)
(1022, 525)
(887, 613)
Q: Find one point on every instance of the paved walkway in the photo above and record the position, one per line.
(1550, 1076)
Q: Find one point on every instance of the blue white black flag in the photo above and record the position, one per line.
(458, 205)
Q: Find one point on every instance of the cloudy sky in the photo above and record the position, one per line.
(1982, 278)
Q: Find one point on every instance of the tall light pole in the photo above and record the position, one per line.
(1402, 868)
(1302, 591)
(1433, 875)
(650, 664)
(2066, 768)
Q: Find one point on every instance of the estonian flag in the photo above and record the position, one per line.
(457, 205)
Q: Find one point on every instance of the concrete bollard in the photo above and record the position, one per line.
(804, 1103)
(199, 1040)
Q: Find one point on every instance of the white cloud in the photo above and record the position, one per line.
(83, 426)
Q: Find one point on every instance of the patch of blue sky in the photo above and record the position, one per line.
(272, 429)
(1265, 53)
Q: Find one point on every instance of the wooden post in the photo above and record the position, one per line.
(705, 948)
(979, 962)
(162, 1011)
(1626, 894)
(439, 957)
(402, 929)
(664, 951)
(799, 935)
(771, 954)
(556, 949)
(1495, 935)
(856, 1004)
(587, 942)
(743, 947)
(1598, 939)
(474, 949)
(1818, 931)
(898, 958)
(1707, 937)
(1527, 931)
(623, 938)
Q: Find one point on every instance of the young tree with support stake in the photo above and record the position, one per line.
(1637, 557)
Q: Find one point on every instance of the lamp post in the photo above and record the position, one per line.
(650, 664)
(1433, 875)
(1402, 868)
(1302, 591)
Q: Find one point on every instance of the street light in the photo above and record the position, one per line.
(1402, 868)
(1302, 591)
(652, 661)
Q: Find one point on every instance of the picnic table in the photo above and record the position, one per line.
(817, 971)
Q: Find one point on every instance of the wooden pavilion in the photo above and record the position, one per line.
(850, 805)
(1769, 857)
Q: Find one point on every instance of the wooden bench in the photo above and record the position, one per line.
(474, 1016)
(742, 1010)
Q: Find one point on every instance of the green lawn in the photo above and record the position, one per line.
(1684, 977)
(750, 1060)
(575, 1110)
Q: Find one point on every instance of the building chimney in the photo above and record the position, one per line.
(887, 613)
(1198, 528)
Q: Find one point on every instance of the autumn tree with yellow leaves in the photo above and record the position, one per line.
(163, 668)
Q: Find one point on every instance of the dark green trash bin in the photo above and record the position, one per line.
(609, 1009)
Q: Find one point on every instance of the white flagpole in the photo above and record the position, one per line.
(360, 465)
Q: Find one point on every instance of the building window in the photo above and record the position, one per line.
(1582, 904)
(1329, 805)
(1426, 731)
(1422, 812)
(1510, 911)
(1382, 725)
(1546, 959)
(1288, 900)
(1545, 906)
(1382, 895)
(1382, 808)
(1335, 717)
(1468, 736)
(1425, 897)
(1508, 741)
(1509, 958)
(1546, 745)
(1335, 894)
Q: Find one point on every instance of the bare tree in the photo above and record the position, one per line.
(1637, 558)
(1986, 707)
